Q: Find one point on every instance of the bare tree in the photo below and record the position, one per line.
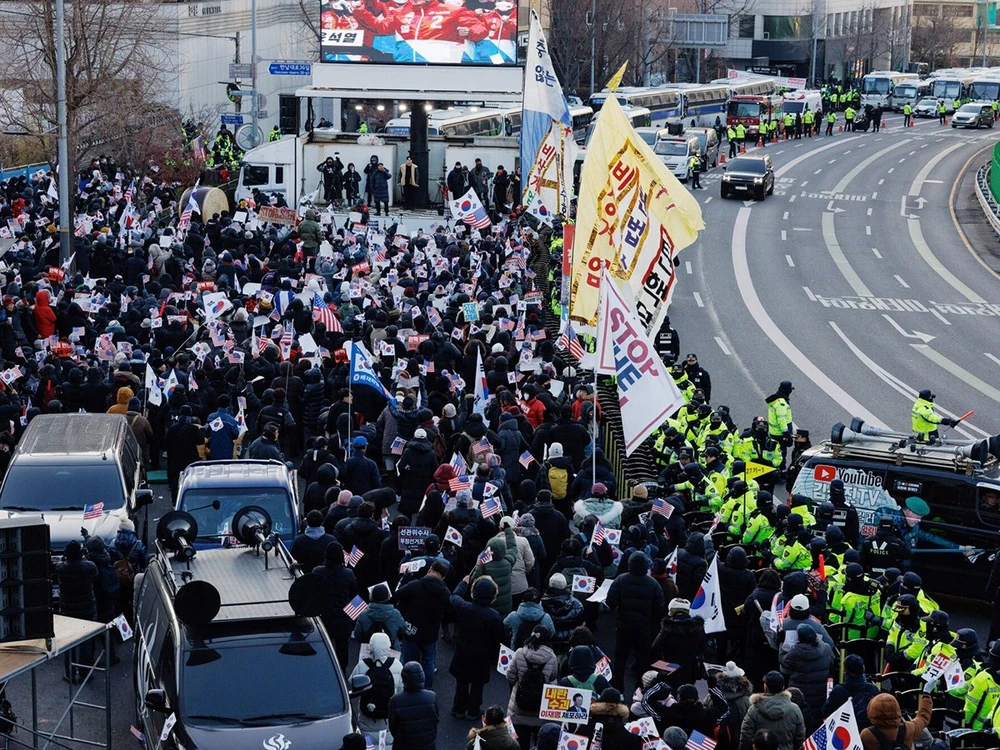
(114, 72)
(936, 40)
(310, 15)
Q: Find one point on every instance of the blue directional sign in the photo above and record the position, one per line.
(290, 69)
(229, 119)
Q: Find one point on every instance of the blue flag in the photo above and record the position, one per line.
(362, 372)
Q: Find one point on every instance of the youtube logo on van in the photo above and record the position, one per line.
(824, 473)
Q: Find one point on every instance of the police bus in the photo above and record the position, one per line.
(663, 103)
(471, 121)
(909, 91)
(877, 87)
(985, 88)
(951, 84)
(702, 104)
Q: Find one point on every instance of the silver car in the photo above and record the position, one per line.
(973, 115)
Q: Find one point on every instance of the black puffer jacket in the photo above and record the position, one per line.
(552, 526)
(77, 579)
(736, 584)
(691, 566)
(313, 399)
(637, 597)
(807, 667)
(681, 641)
(413, 713)
(416, 468)
(368, 536)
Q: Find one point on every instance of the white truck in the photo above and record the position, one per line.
(289, 166)
(796, 103)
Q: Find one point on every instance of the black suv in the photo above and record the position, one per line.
(752, 176)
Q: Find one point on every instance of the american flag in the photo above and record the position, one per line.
(599, 535)
(378, 256)
(369, 742)
(698, 741)
(506, 324)
(93, 511)
(662, 508)
(569, 340)
(485, 556)
(459, 483)
(355, 607)
(397, 446)
(323, 313)
(286, 345)
(491, 508)
(519, 331)
(352, 558)
(189, 209)
(129, 192)
(483, 446)
(458, 464)
(526, 459)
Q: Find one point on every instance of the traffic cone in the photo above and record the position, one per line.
(760, 141)
(722, 157)
(840, 128)
(743, 147)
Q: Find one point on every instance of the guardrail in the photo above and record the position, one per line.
(986, 200)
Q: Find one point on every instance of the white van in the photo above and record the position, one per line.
(676, 153)
(796, 102)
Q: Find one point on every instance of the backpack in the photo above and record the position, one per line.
(587, 684)
(897, 743)
(558, 479)
(523, 632)
(124, 569)
(727, 729)
(530, 688)
(375, 698)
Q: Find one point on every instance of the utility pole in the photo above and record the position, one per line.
(63, 149)
(593, 42)
(253, 62)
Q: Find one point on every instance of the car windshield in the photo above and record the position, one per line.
(927, 103)
(702, 138)
(970, 109)
(744, 109)
(875, 86)
(752, 166)
(905, 91)
(198, 502)
(671, 148)
(292, 678)
(46, 487)
(794, 108)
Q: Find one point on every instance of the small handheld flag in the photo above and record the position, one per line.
(353, 557)
(93, 511)
(485, 557)
(355, 607)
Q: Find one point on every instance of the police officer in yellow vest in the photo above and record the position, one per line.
(923, 420)
(274, 135)
(907, 115)
(831, 120)
(741, 133)
(809, 120)
(942, 111)
(731, 138)
(849, 118)
(995, 106)
(694, 167)
(905, 641)
(983, 695)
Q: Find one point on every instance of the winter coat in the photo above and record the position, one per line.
(523, 620)
(566, 612)
(378, 184)
(124, 394)
(552, 526)
(681, 641)
(480, 632)
(379, 654)
(263, 449)
(609, 512)
(309, 549)
(524, 564)
(413, 715)
(45, 316)
(361, 474)
(310, 231)
(510, 447)
(380, 615)
(736, 583)
(416, 468)
(858, 690)
(581, 666)
(367, 534)
(423, 603)
(777, 713)
(496, 737)
(142, 430)
(637, 598)
(313, 399)
(500, 570)
(691, 566)
(77, 579)
(884, 714)
(612, 718)
(343, 588)
(807, 667)
(543, 658)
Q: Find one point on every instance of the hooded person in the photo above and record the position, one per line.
(528, 616)
(315, 497)
(638, 601)
(773, 710)
(499, 569)
(413, 713)
(551, 524)
(386, 674)
(364, 532)
(480, 633)
(681, 641)
(607, 509)
(417, 467)
(806, 666)
(121, 407)
(380, 617)
(609, 712)
(691, 565)
(556, 474)
(342, 588)
(534, 664)
(736, 583)
(888, 729)
(855, 688)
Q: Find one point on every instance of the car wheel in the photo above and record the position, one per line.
(990, 124)
(723, 193)
(716, 162)
(953, 126)
(770, 190)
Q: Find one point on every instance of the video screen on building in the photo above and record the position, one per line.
(449, 32)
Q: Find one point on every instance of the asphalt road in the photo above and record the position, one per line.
(856, 280)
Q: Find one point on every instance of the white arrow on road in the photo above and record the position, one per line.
(921, 201)
(748, 203)
(831, 207)
(902, 208)
(925, 337)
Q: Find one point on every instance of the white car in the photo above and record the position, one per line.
(676, 154)
(926, 108)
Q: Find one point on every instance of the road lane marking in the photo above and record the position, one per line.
(790, 261)
(805, 182)
(842, 185)
(833, 247)
(917, 238)
(784, 216)
(929, 167)
(940, 317)
(722, 345)
(832, 161)
(687, 266)
(994, 357)
(697, 300)
(900, 280)
(792, 199)
(881, 181)
(893, 169)
(869, 212)
(868, 230)
(708, 199)
(764, 321)
(959, 372)
(877, 253)
(818, 170)
(784, 235)
(809, 294)
(875, 195)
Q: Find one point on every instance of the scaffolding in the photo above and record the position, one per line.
(25, 657)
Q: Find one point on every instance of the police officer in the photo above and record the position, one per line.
(694, 166)
(668, 343)
(699, 376)
(731, 139)
(741, 135)
(779, 416)
(849, 114)
(907, 115)
(942, 112)
(761, 525)
(885, 549)
(995, 106)
(831, 120)
(905, 642)
(983, 695)
(789, 125)
(939, 639)
(923, 420)
(955, 104)
(845, 516)
(274, 135)
(854, 601)
(809, 120)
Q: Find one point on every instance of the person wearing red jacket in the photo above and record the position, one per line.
(429, 30)
(45, 316)
(534, 410)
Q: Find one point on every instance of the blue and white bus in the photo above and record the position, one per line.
(702, 104)
(952, 84)
(662, 102)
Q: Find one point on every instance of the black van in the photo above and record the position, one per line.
(959, 480)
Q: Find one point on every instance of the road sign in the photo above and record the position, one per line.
(290, 69)
(261, 114)
(231, 119)
(240, 70)
(245, 93)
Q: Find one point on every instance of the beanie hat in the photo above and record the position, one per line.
(675, 738)
(679, 606)
(334, 553)
(731, 670)
(380, 593)
(134, 404)
(640, 492)
(448, 412)
(557, 581)
(854, 664)
(126, 525)
(353, 741)
(687, 693)
(484, 590)
(556, 450)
